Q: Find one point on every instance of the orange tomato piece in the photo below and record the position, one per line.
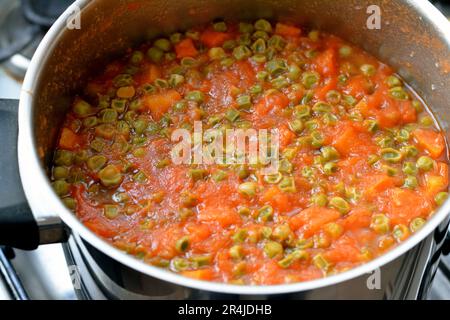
(277, 199)
(431, 141)
(186, 48)
(213, 38)
(69, 140)
(202, 274)
(326, 63)
(287, 30)
(357, 218)
(159, 103)
(276, 100)
(312, 219)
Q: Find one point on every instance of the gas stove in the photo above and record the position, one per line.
(75, 270)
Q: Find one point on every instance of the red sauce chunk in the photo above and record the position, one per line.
(362, 164)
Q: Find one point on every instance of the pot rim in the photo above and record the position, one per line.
(42, 199)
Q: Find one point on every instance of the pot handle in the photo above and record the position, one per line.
(18, 228)
(446, 245)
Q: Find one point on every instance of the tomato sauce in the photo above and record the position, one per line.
(364, 161)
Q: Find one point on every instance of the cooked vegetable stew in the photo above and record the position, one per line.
(362, 163)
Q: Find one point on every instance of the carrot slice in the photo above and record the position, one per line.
(202, 274)
(186, 48)
(431, 141)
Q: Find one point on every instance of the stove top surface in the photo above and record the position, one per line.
(45, 272)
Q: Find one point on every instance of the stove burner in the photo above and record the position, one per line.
(44, 12)
(16, 32)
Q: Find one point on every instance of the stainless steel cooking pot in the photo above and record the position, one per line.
(413, 37)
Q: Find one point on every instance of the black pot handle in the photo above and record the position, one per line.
(446, 245)
(18, 227)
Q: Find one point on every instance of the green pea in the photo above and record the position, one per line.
(273, 249)
(368, 70)
(188, 62)
(140, 177)
(416, 224)
(440, 198)
(265, 213)
(236, 252)
(83, 109)
(219, 175)
(330, 168)
(345, 51)
(245, 27)
(329, 153)
(425, 163)
(393, 81)
(175, 37)
(244, 101)
(241, 52)
(263, 25)
(319, 200)
(216, 53)
(196, 96)
(287, 184)
(333, 96)
(180, 264)
(310, 79)
(232, 115)
(426, 121)
(280, 82)
(220, 26)
(60, 173)
(398, 93)
(292, 258)
(340, 205)
(294, 72)
(201, 260)
(380, 223)
(240, 236)
(409, 168)
(302, 111)
(248, 189)
(321, 263)
(137, 57)
(61, 187)
(155, 54)
(391, 155)
(411, 182)
(197, 174)
(110, 176)
(290, 153)
(175, 80)
(273, 178)
(259, 46)
(277, 42)
(163, 44)
(409, 151)
(108, 115)
(96, 163)
(276, 67)
(111, 211)
(371, 125)
(182, 244)
(296, 126)
(97, 144)
(70, 203)
(122, 80)
(90, 122)
(316, 139)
